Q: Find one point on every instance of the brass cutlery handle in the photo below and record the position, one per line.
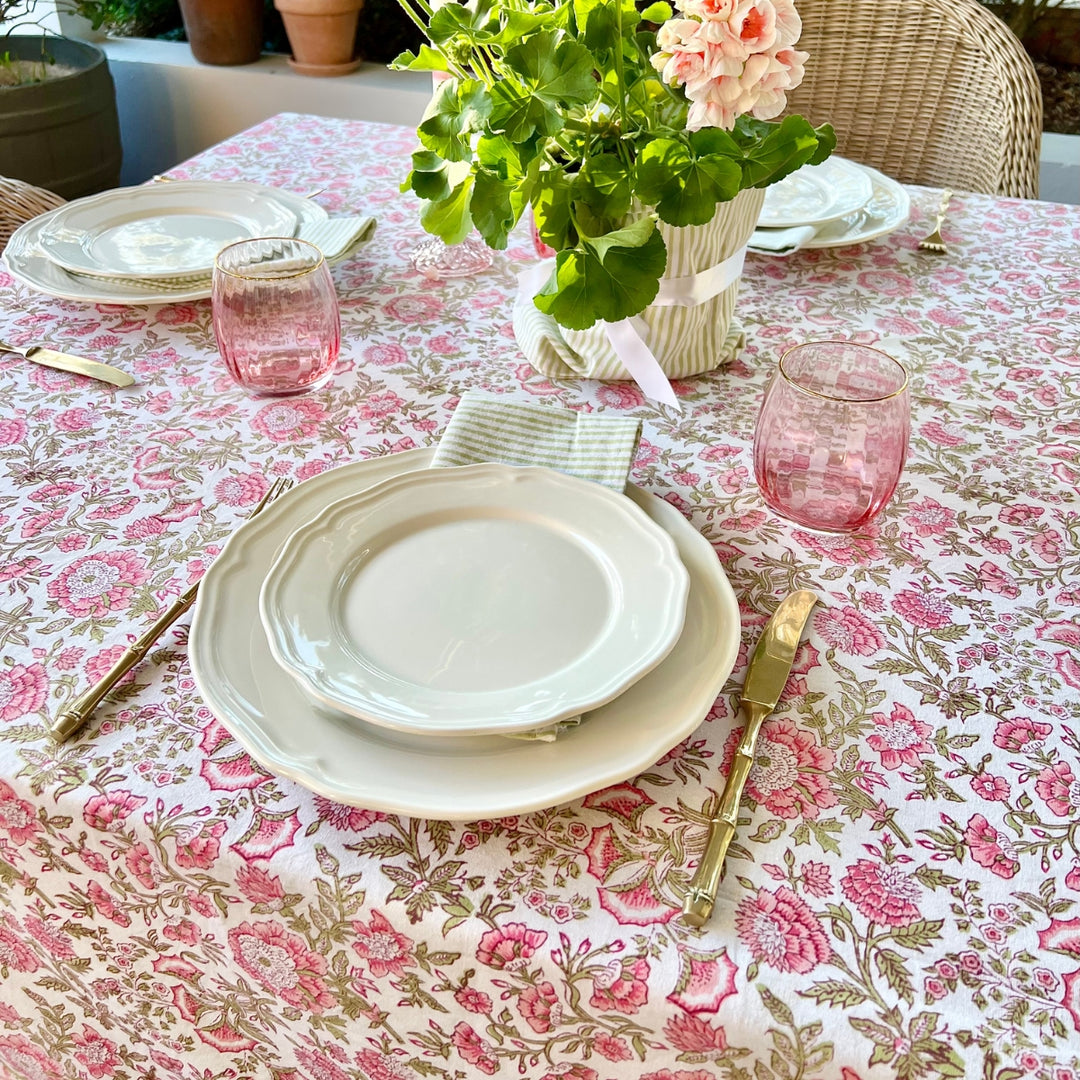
(71, 719)
(701, 894)
(946, 197)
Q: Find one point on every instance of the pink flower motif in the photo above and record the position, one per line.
(899, 738)
(282, 963)
(14, 953)
(882, 893)
(12, 431)
(98, 666)
(22, 690)
(141, 864)
(346, 818)
(241, 490)
(107, 812)
(779, 929)
(378, 1066)
(74, 420)
(99, 583)
(849, 631)
(385, 949)
(286, 421)
(414, 310)
(473, 1049)
(319, 1065)
(539, 1007)
(693, 1035)
(1021, 733)
(17, 817)
(943, 434)
(475, 1001)
(52, 939)
(1068, 633)
(376, 406)
(989, 847)
(385, 355)
(1054, 786)
(200, 848)
(1020, 514)
(816, 879)
(509, 947)
(995, 580)
(105, 905)
(1066, 665)
(790, 771)
(145, 528)
(259, 887)
(184, 931)
(23, 1058)
(612, 1047)
(1046, 545)
(930, 518)
(575, 1071)
(622, 987)
(930, 611)
(620, 396)
(990, 788)
(681, 1074)
(152, 472)
(842, 550)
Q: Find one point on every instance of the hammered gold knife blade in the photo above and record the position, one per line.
(62, 361)
(766, 677)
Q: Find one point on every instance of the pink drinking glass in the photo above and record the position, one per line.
(832, 435)
(276, 315)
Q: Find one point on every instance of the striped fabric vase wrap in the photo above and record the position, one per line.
(686, 340)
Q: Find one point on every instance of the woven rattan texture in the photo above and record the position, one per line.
(935, 92)
(19, 202)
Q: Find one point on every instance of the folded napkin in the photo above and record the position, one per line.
(780, 241)
(336, 237)
(598, 448)
(488, 428)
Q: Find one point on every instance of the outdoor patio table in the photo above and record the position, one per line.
(903, 898)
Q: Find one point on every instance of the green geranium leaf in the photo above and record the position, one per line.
(552, 205)
(496, 206)
(428, 177)
(657, 13)
(603, 184)
(683, 185)
(776, 150)
(456, 110)
(585, 288)
(427, 59)
(472, 22)
(560, 73)
(634, 235)
(449, 218)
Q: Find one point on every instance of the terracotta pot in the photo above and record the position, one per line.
(223, 32)
(322, 34)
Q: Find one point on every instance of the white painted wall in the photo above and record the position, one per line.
(171, 106)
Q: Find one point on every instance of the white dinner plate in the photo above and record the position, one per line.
(28, 264)
(480, 600)
(453, 779)
(161, 230)
(887, 209)
(816, 194)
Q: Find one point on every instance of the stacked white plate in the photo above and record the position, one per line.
(834, 204)
(417, 629)
(149, 245)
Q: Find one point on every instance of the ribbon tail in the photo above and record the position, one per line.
(627, 339)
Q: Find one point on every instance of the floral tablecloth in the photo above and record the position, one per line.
(904, 895)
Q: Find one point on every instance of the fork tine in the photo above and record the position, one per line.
(278, 487)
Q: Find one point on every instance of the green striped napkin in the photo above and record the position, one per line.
(488, 428)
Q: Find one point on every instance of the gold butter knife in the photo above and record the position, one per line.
(63, 361)
(766, 677)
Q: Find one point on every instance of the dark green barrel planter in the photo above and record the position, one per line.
(61, 134)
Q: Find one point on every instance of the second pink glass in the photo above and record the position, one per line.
(832, 435)
(276, 315)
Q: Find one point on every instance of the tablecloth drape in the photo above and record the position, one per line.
(904, 895)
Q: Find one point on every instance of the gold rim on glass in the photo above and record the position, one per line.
(278, 277)
(832, 397)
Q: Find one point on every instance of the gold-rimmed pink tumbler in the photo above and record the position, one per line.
(832, 435)
(276, 315)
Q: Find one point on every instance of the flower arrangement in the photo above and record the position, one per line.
(604, 119)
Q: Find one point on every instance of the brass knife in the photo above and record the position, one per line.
(80, 365)
(766, 677)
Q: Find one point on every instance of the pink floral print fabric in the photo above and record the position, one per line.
(903, 896)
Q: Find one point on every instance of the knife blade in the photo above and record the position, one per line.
(80, 365)
(766, 677)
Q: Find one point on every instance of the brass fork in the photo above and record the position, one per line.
(71, 719)
(934, 242)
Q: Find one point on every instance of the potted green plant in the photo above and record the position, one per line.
(59, 128)
(642, 141)
(322, 35)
